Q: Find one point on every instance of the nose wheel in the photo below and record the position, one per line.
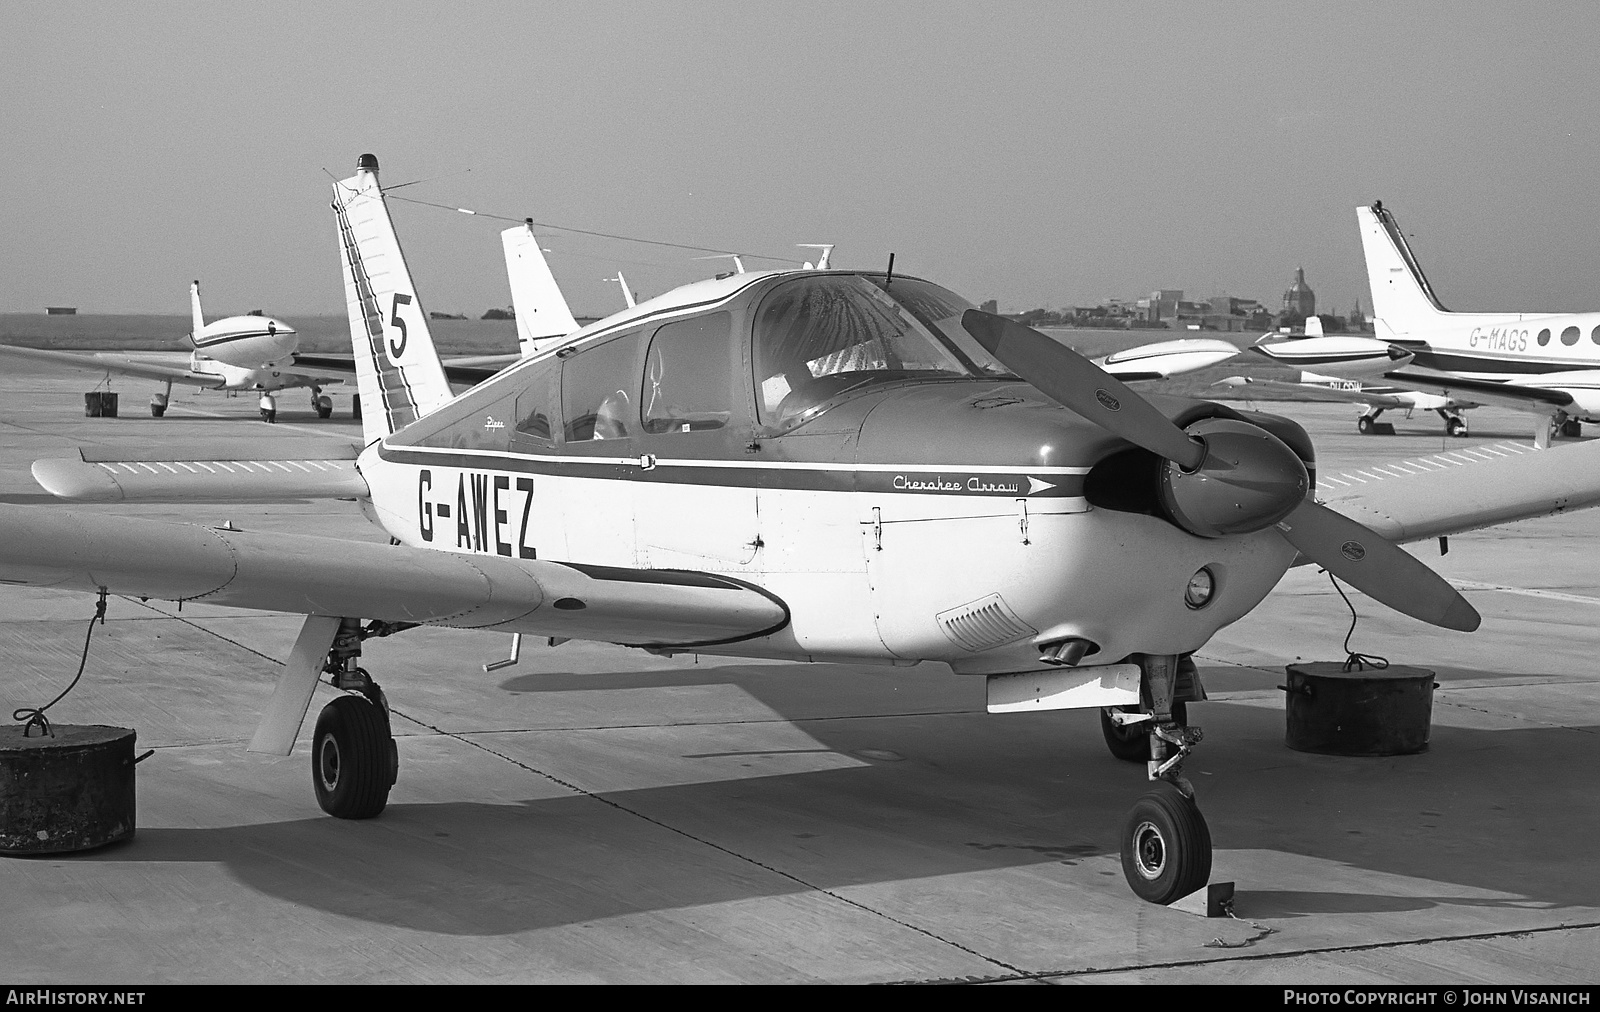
(1166, 845)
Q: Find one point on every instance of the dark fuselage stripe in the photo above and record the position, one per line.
(927, 479)
(213, 342)
(1428, 358)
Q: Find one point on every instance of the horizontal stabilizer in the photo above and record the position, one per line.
(1464, 490)
(207, 472)
(68, 550)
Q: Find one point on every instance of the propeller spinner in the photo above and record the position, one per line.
(1227, 477)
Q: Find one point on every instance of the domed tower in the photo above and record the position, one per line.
(1300, 298)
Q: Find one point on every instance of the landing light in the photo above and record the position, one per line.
(1200, 588)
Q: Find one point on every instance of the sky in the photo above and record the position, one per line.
(1044, 154)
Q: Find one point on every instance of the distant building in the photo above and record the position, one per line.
(1300, 300)
(61, 310)
(1358, 319)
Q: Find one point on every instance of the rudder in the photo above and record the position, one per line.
(543, 315)
(397, 369)
(1402, 299)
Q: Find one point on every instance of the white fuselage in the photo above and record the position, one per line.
(898, 577)
(1558, 351)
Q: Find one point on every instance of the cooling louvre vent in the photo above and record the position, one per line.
(983, 624)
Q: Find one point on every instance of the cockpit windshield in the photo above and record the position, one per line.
(818, 337)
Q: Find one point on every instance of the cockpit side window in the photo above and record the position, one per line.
(818, 337)
(596, 402)
(686, 374)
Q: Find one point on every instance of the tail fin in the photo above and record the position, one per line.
(1402, 299)
(1313, 326)
(194, 308)
(397, 369)
(542, 311)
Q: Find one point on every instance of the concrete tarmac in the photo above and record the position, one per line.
(600, 815)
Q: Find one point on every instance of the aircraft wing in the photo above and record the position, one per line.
(1321, 392)
(1517, 397)
(467, 370)
(1464, 490)
(117, 363)
(213, 471)
(44, 546)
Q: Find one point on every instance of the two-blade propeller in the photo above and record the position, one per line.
(1227, 477)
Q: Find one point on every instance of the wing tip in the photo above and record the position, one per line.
(76, 481)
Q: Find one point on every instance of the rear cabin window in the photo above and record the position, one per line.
(536, 407)
(596, 400)
(686, 375)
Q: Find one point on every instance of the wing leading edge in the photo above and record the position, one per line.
(208, 472)
(62, 549)
(1465, 490)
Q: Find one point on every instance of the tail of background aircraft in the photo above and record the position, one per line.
(1402, 299)
(397, 370)
(542, 311)
(194, 308)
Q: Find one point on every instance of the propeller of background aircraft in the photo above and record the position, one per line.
(1226, 476)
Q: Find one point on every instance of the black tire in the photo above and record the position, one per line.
(1131, 742)
(355, 406)
(157, 410)
(1456, 427)
(1166, 846)
(353, 759)
(1364, 425)
(1572, 428)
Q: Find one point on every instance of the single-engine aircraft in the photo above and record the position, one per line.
(1546, 364)
(822, 465)
(1350, 368)
(237, 353)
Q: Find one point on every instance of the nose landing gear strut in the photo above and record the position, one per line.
(1166, 845)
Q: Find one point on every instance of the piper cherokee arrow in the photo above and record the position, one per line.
(801, 464)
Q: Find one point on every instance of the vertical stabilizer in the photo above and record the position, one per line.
(1402, 299)
(1314, 326)
(194, 309)
(397, 369)
(542, 311)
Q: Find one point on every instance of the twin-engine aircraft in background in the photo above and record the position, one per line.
(1547, 364)
(814, 465)
(1544, 364)
(238, 353)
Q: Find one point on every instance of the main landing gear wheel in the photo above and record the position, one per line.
(1166, 845)
(1131, 742)
(1456, 427)
(353, 758)
(1364, 424)
(323, 405)
(157, 410)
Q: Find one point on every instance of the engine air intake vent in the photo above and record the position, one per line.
(983, 624)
